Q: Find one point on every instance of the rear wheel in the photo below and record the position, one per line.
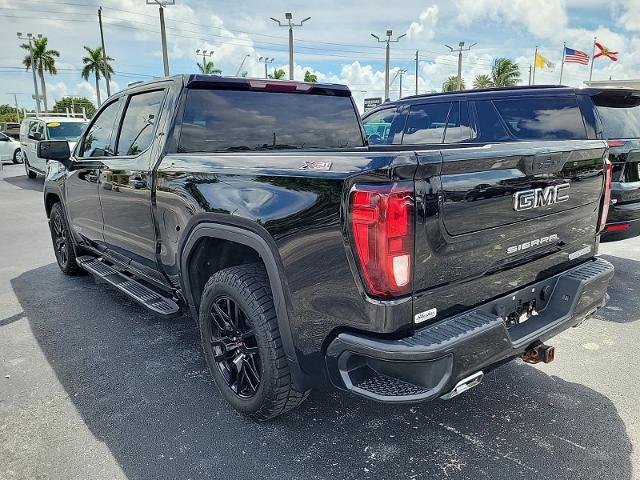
(27, 169)
(62, 242)
(242, 344)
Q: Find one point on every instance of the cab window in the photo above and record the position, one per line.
(378, 127)
(139, 122)
(426, 123)
(98, 141)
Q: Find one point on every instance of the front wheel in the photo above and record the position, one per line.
(17, 156)
(62, 242)
(242, 344)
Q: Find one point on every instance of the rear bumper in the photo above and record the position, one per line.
(434, 359)
(624, 222)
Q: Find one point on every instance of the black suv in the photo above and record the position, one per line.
(308, 257)
(522, 114)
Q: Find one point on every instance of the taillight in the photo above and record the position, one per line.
(382, 232)
(615, 143)
(606, 198)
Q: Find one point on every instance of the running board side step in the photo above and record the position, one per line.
(133, 289)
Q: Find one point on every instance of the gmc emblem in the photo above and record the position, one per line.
(540, 197)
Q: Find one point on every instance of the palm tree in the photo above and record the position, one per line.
(45, 61)
(483, 81)
(209, 68)
(278, 73)
(97, 65)
(505, 73)
(451, 84)
(310, 77)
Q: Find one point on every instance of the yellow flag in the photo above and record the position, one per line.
(542, 62)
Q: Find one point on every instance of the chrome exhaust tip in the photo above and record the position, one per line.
(463, 385)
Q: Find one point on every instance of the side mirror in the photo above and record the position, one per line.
(35, 136)
(57, 150)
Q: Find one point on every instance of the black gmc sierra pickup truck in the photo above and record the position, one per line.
(309, 257)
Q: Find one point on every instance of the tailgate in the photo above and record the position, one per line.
(505, 185)
(507, 215)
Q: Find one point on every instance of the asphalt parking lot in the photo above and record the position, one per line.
(92, 386)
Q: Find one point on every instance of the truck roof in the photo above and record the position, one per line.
(60, 119)
(201, 80)
(496, 92)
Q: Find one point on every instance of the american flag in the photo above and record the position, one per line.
(575, 56)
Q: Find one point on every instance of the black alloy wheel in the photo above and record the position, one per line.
(235, 347)
(62, 242)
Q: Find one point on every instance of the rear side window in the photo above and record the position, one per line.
(139, 122)
(535, 118)
(458, 127)
(490, 127)
(426, 123)
(377, 127)
(245, 120)
(620, 121)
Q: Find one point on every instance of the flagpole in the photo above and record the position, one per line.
(535, 60)
(530, 75)
(592, 59)
(564, 50)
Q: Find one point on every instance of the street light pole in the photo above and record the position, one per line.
(290, 24)
(104, 53)
(401, 72)
(36, 97)
(388, 41)
(460, 49)
(205, 54)
(242, 63)
(163, 33)
(417, 71)
(15, 100)
(266, 61)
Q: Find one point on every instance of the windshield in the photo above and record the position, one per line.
(69, 131)
(620, 122)
(241, 120)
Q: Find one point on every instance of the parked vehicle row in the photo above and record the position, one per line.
(401, 272)
(9, 149)
(35, 129)
(523, 115)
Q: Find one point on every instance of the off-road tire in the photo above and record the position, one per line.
(58, 227)
(248, 286)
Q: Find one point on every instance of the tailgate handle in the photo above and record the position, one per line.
(547, 163)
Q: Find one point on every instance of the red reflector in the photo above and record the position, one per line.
(606, 198)
(615, 143)
(617, 228)
(382, 233)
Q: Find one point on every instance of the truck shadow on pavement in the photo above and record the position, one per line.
(624, 288)
(141, 386)
(22, 181)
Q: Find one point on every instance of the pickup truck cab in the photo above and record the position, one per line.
(308, 256)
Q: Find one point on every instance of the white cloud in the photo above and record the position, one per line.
(424, 29)
(543, 18)
(630, 19)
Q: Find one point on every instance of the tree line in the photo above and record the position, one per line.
(504, 73)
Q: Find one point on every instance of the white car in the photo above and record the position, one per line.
(9, 149)
(35, 129)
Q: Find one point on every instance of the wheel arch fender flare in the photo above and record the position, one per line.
(256, 237)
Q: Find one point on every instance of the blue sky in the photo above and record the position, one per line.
(335, 44)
